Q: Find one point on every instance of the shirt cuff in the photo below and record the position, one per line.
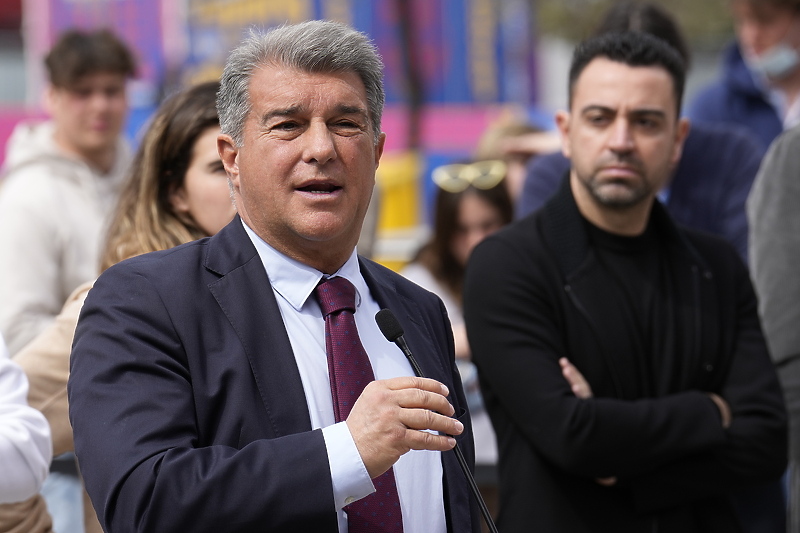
(350, 478)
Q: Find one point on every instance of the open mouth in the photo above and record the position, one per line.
(320, 188)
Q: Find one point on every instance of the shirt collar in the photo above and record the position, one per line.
(295, 281)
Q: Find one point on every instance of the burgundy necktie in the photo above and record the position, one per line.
(350, 371)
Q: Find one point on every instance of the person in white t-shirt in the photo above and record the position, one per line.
(25, 447)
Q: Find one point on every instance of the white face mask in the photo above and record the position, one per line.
(777, 62)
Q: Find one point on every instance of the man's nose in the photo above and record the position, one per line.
(320, 146)
(101, 100)
(621, 139)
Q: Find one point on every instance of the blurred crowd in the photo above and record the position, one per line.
(567, 435)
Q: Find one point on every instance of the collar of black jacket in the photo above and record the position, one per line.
(565, 233)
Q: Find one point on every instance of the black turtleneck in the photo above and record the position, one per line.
(638, 266)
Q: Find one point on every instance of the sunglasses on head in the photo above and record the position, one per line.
(481, 175)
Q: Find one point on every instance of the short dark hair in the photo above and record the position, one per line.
(78, 53)
(645, 17)
(634, 49)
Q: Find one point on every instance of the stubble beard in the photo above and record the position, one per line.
(617, 199)
(618, 193)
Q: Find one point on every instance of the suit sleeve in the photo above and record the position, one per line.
(130, 376)
(772, 209)
(518, 332)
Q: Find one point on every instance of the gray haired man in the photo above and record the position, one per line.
(215, 411)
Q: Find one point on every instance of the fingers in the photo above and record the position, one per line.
(426, 420)
(412, 382)
(396, 415)
(580, 387)
(724, 409)
(422, 399)
(607, 481)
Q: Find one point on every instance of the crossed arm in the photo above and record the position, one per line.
(672, 448)
(582, 390)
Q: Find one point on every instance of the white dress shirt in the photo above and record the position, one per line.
(25, 446)
(418, 474)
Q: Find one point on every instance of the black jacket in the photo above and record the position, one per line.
(534, 293)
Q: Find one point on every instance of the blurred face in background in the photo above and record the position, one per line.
(768, 35)
(204, 195)
(89, 115)
(477, 219)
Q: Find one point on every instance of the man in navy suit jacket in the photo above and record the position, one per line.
(198, 389)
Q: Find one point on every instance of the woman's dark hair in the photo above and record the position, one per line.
(437, 255)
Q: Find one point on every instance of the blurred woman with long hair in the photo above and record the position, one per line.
(472, 202)
(176, 191)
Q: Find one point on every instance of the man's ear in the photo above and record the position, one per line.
(681, 132)
(379, 148)
(563, 124)
(229, 154)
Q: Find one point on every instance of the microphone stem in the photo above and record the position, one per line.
(487, 517)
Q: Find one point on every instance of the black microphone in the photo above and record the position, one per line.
(393, 331)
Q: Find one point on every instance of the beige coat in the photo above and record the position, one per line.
(46, 363)
(53, 214)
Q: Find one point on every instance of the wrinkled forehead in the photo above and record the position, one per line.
(612, 84)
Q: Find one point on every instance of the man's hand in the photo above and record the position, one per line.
(724, 409)
(581, 388)
(389, 417)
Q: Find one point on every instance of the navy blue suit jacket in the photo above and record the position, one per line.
(187, 405)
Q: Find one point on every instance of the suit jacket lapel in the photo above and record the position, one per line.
(407, 312)
(246, 297)
(431, 360)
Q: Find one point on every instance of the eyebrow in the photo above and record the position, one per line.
(285, 112)
(352, 110)
(343, 109)
(636, 112)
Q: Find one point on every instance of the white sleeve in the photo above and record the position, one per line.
(350, 478)
(25, 446)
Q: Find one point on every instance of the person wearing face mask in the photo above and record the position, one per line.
(760, 82)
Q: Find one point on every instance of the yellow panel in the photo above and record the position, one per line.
(398, 177)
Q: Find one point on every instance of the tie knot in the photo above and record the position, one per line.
(336, 294)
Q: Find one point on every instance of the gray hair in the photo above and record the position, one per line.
(314, 46)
